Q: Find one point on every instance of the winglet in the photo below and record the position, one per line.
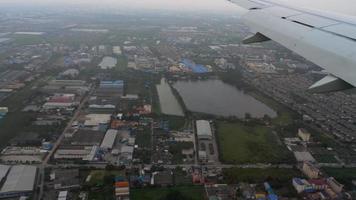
(330, 84)
(250, 4)
(258, 37)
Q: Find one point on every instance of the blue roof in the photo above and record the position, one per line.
(272, 197)
(112, 82)
(196, 68)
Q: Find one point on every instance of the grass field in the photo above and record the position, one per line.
(28, 39)
(190, 192)
(239, 143)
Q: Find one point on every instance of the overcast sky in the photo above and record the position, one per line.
(341, 6)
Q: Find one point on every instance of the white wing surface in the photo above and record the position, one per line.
(327, 39)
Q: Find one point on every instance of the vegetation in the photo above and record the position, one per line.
(175, 122)
(243, 143)
(173, 193)
(28, 39)
(143, 138)
(99, 177)
(285, 116)
(17, 121)
(176, 150)
(279, 179)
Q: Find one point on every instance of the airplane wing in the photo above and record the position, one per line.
(326, 39)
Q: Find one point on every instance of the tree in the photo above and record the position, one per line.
(175, 195)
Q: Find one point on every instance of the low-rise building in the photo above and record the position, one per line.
(335, 185)
(310, 170)
(20, 181)
(304, 134)
(109, 139)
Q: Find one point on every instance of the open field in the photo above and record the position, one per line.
(239, 143)
(190, 192)
(28, 39)
(98, 176)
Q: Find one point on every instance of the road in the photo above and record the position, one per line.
(41, 174)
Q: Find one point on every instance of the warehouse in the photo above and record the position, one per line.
(3, 171)
(93, 120)
(19, 182)
(60, 101)
(109, 139)
(110, 88)
(84, 153)
(204, 130)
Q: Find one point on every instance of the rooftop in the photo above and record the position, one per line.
(203, 128)
(109, 139)
(20, 178)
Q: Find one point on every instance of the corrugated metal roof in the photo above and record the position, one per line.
(109, 139)
(203, 128)
(20, 178)
(3, 171)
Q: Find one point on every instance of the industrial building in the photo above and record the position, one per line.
(110, 88)
(66, 86)
(95, 120)
(20, 181)
(204, 130)
(84, 153)
(4, 169)
(60, 101)
(109, 139)
(102, 104)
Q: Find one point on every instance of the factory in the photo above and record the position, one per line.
(60, 101)
(66, 86)
(204, 130)
(110, 88)
(18, 180)
(109, 139)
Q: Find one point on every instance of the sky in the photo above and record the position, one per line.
(340, 6)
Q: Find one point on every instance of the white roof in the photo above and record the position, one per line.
(127, 149)
(62, 194)
(203, 128)
(109, 139)
(20, 178)
(96, 119)
(3, 171)
(304, 156)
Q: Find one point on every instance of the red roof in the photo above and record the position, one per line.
(317, 181)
